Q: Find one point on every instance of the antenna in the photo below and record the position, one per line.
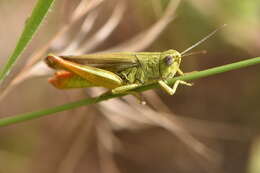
(202, 40)
(195, 53)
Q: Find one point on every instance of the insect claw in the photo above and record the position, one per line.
(189, 84)
(139, 97)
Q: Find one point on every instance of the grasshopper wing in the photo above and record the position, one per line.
(113, 62)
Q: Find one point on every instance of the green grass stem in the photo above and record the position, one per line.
(31, 25)
(88, 101)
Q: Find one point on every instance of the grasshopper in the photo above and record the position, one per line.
(120, 72)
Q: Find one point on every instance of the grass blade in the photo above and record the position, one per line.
(32, 24)
(192, 76)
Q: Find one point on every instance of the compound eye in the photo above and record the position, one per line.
(168, 60)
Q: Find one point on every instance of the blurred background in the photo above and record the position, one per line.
(212, 126)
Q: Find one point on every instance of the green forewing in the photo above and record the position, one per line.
(113, 62)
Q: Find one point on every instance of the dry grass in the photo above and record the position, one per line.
(93, 138)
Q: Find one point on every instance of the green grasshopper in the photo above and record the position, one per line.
(120, 72)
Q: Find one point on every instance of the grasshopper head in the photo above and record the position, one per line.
(169, 62)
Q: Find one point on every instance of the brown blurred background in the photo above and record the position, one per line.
(212, 126)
